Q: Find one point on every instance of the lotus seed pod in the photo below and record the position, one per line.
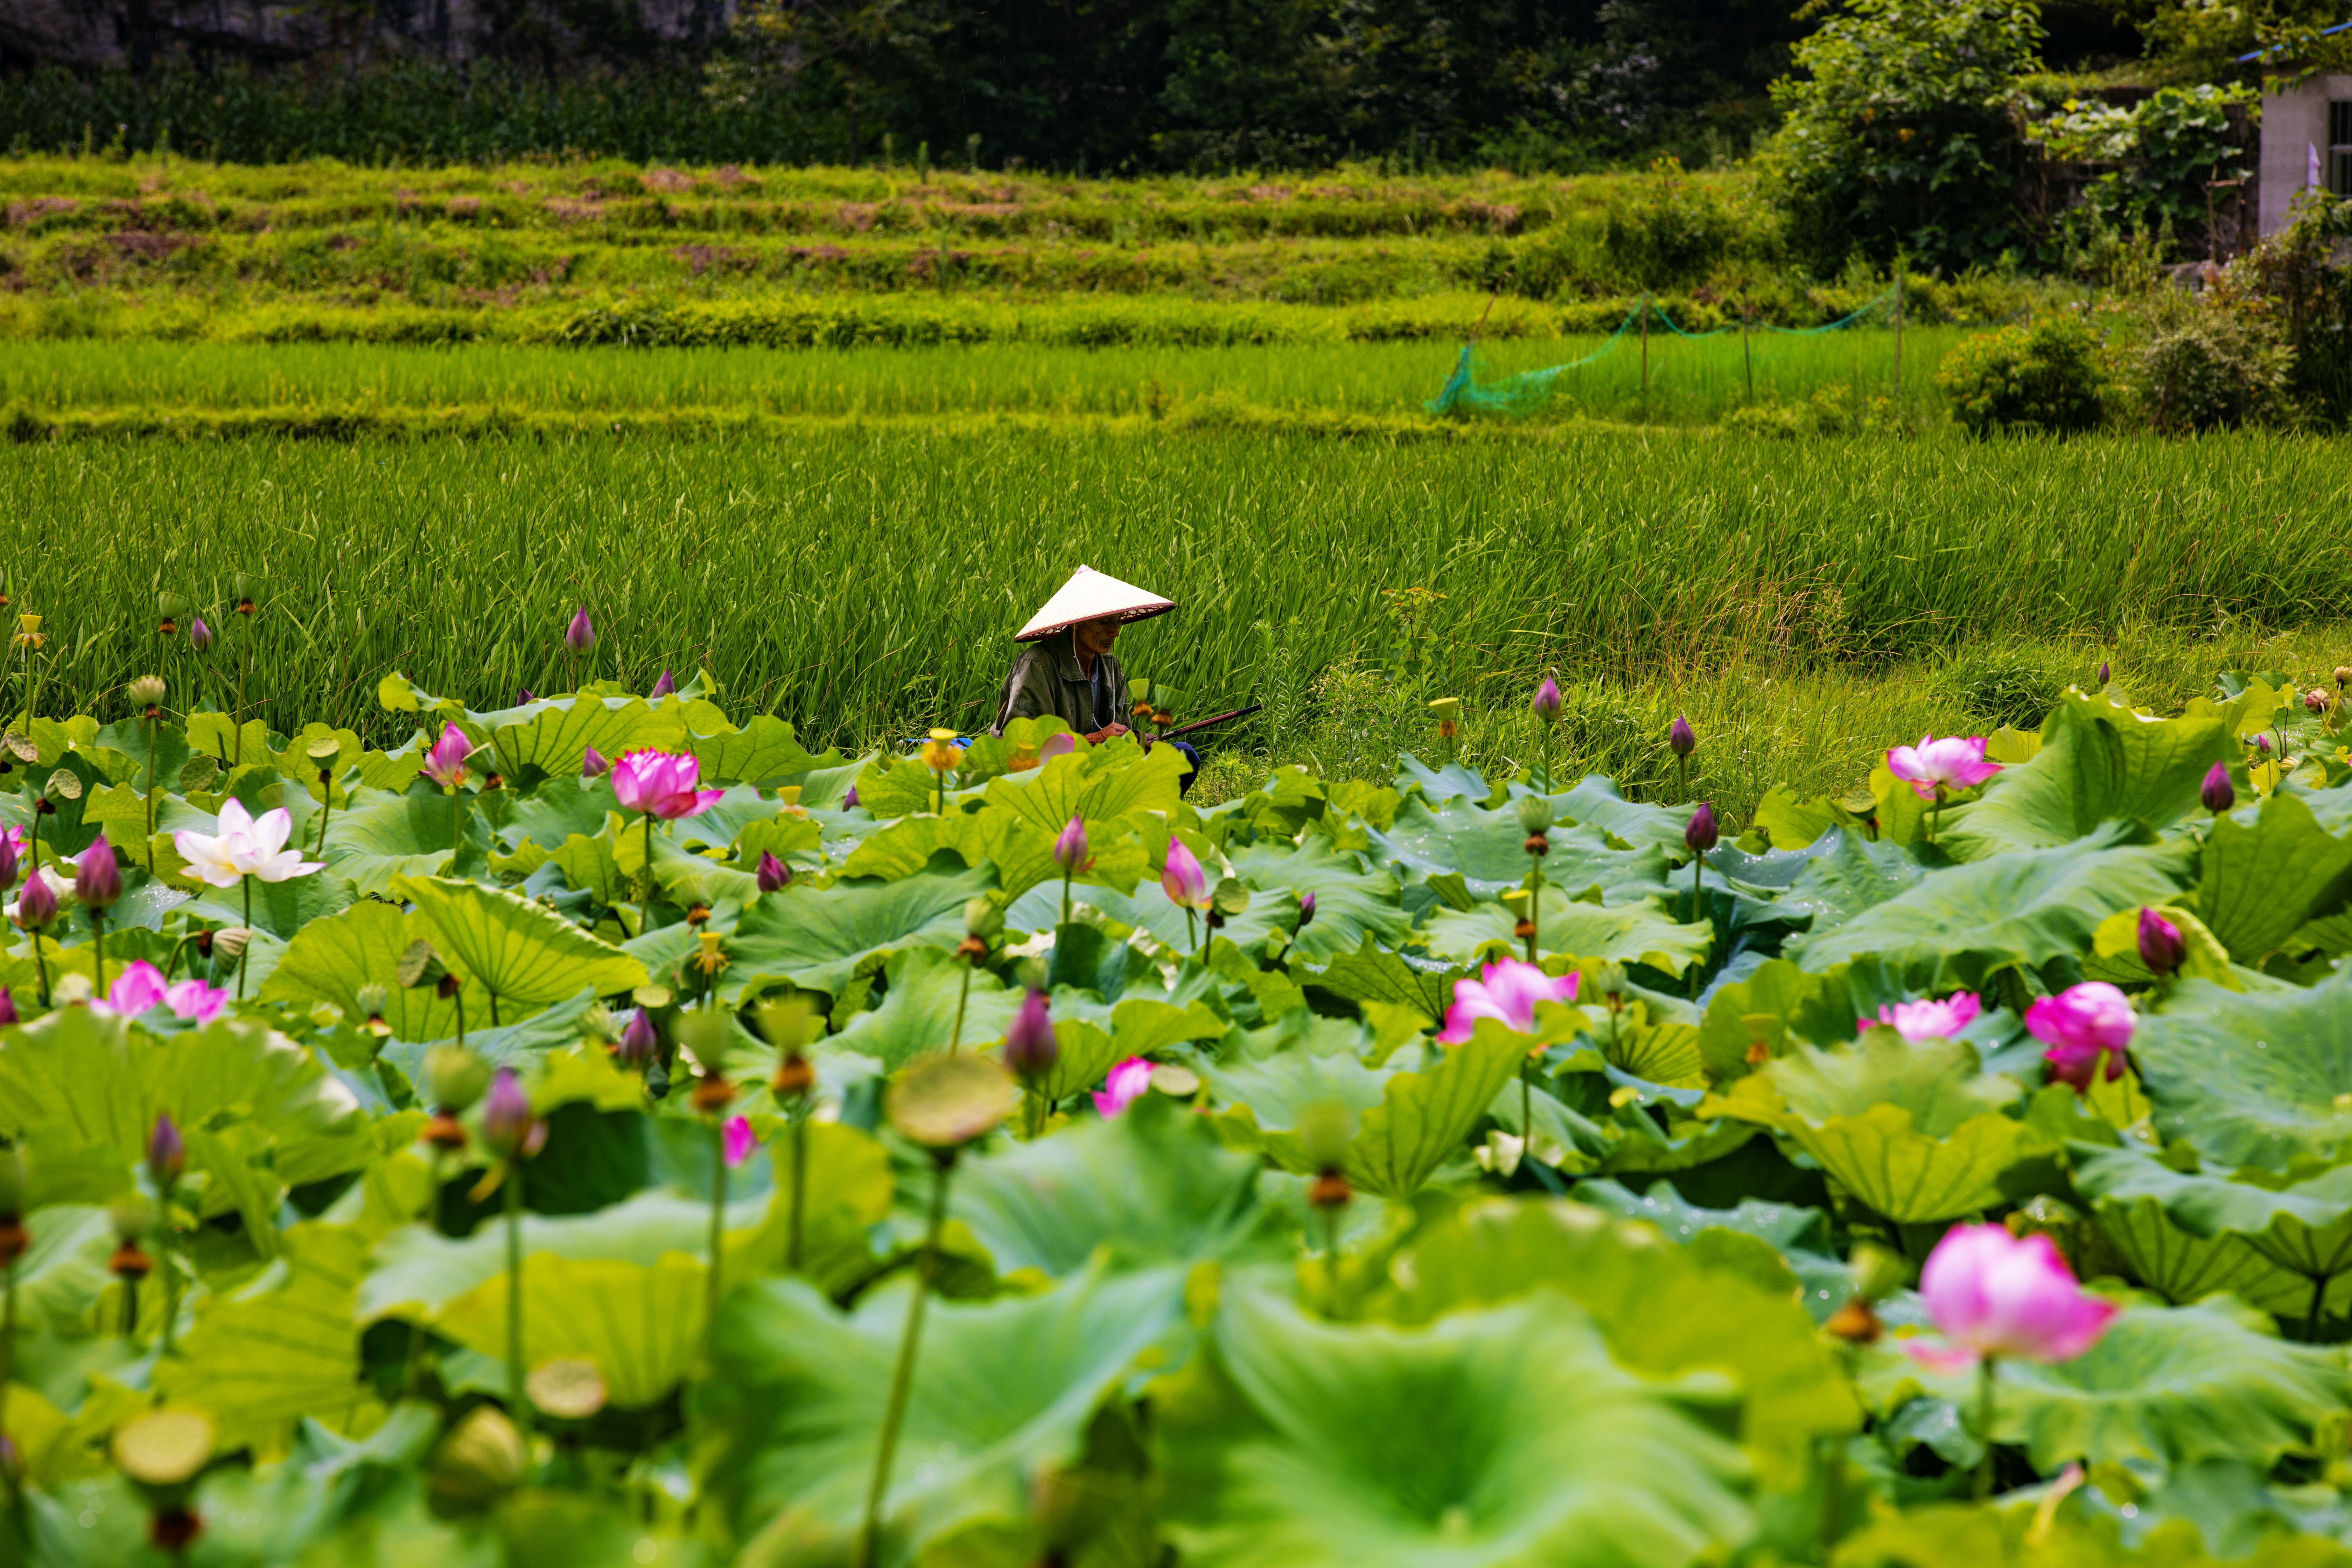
(2343, 676)
(788, 1025)
(373, 999)
(946, 1102)
(1535, 813)
(454, 1078)
(1324, 1133)
(704, 1034)
(481, 1461)
(164, 1447)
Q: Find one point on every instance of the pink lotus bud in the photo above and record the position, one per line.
(98, 881)
(741, 1140)
(1506, 991)
(2262, 744)
(773, 873)
(1927, 1019)
(167, 1154)
(580, 635)
(9, 858)
(37, 905)
(7, 1007)
(507, 1123)
(2160, 944)
(592, 764)
(639, 1041)
(1181, 879)
(2079, 1024)
(523, 696)
(444, 762)
(2217, 791)
(849, 801)
(1994, 1294)
(1126, 1084)
(663, 688)
(2102, 672)
(200, 635)
(1547, 702)
(1681, 737)
(1701, 835)
(1030, 1048)
(1305, 911)
(1951, 763)
(1070, 849)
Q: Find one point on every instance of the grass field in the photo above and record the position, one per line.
(857, 583)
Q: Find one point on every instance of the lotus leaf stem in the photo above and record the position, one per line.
(800, 1187)
(163, 1239)
(902, 1380)
(415, 1375)
(2312, 1319)
(245, 952)
(1699, 871)
(645, 921)
(718, 1232)
(1984, 1425)
(518, 1401)
(963, 994)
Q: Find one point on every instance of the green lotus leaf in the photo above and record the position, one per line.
(2183, 1267)
(1425, 1117)
(1373, 973)
(1647, 1042)
(1777, 1005)
(1487, 1439)
(1963, 922)
(687, 877)
(1667, 1311)
(381, 838)
(766, 750)
(2303, 1227)
(521, 1045)
(641, 1325)
(1001, 1390)
(1595, 801)
(1645, 932)
(76, 1082)
(1799, 1235)
(525, 955)
(1859, 874)
(557, 809)
(1484, 847)
(924, 988)
(1277, 1074)
(2099, 762)
(330, 959)
(1153, 1186)
(1098, 784)
(1438, 786)
(2164, 1385)
(1022, 852)
(1148, 908)
(2251, 1077)
(264, 1360)
(2264, 881)
(64, 1270)
(1352, 906)
(818, 938)
(554, 735)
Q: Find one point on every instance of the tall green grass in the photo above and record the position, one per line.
(1689, 382)
(852, 580)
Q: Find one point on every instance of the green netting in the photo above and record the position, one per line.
(1468, 391)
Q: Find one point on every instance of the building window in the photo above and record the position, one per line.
(2339, 147)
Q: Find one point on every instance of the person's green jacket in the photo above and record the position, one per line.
(1046, 680)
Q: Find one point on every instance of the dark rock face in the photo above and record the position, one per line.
(110, 34)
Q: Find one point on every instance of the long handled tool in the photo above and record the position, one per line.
(1206, 723)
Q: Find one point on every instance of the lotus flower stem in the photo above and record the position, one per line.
(163, 1266)
(1984, 1425)
(518, 1401)
(1832, 1452)
(246, 883)
(955, 1039)
(1526, 1104)
(1066, 898)
(151, 794)
(1935, 813)
(327, 814)
(902, 1380)
(1698, 869)
(40, 966)
(799, 1187)
(415, 1375)
(1191, 935)
(646, 920)
(98, 947)
(718, 1229)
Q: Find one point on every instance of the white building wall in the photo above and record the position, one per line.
(2295, 122)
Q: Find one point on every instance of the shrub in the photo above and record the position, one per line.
(2048, 376)
(2016, 686)
(1667, 232)
(2215, 368)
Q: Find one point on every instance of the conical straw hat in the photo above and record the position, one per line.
(1089, 596)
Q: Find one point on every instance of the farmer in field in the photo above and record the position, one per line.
(1068, 670)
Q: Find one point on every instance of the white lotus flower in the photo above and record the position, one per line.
(244, 847)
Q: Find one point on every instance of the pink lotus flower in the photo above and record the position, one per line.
(2078, 1024)
(1927, 1019)
(662, 785)
(140, 986)
(1127, 1082)
(1993, 1295)
(1181, 879)
(741, 1140)
(1507, 991)
(445, 764)
(1949, 764)
(1060, 745)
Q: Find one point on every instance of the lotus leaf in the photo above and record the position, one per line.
(2252, 1078)
(2099, 760)
(818, 938)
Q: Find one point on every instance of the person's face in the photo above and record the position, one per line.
(1094, 637)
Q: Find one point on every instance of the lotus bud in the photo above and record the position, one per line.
(7, 1008)
(640, 1042)
(981, 918)
(1547, 702)
(849, 801)
(36, 908)
(167, 1153)
(773, 873)
(1030, 1048)
(8, 862)
(372, 999)
(200, 635)
(2161, 947)
(1701, 835)
(481, 1461)
(1877, 1272)
(2314, 700)
(580, 635)
(2102, 672)
(663, 688)
(592, 764)
(145, 692)
(507, 1123)
(523, 696)
(454, 1078)
(2262, 744)
(2218, 793)
(98, 881)
(1070, 849)
(229, 943)
(1305, 911)
(1535, 813)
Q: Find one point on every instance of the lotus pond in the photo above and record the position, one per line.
(604, 1131)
